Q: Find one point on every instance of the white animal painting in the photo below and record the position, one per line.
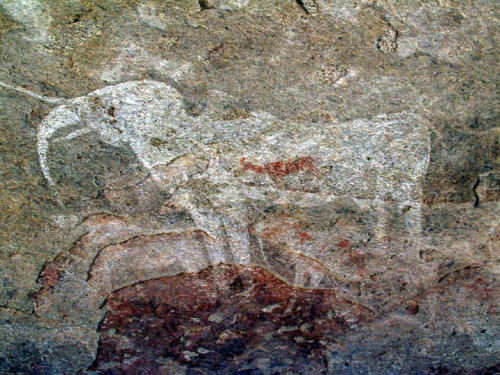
(375, 160)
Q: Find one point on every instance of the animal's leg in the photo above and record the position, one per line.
(383, 191)
(305, 277)
(278, 180)
(235, 222)
(315, 171)
(410, 196)
(209, 221)
(382, 219)
(309, 164)
(315, 280)
(300, 278)
(412, 213)
(211, 224)
(263, 254)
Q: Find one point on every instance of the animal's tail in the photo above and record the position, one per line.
(55, 101)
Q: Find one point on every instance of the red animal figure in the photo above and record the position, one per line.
(278, 169)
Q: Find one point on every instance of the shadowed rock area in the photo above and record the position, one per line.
(249, 187)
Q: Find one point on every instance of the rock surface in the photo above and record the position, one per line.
(223, 320)
(249, 187)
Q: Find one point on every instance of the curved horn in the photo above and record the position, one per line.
(60, 118)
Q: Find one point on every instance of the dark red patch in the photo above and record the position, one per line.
(304, 236)
(217, 319)
(344, 244)
(279, 169)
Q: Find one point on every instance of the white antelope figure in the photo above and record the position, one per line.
(378, 160)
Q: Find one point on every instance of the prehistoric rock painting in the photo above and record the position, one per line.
(206, 166)
(379, 159)
(279, 169)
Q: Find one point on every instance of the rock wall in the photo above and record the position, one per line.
(249, 187)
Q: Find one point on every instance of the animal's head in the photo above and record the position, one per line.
(117, 135)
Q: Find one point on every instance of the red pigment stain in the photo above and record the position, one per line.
(355, 256)
(344, 244)
(279, 227)
(49, 278)
(279, 169)
(304, 236)
(53, 272)
(283, 226)
(210, 321)
(480, 287)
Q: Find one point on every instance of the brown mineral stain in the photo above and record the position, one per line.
(412, 308)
